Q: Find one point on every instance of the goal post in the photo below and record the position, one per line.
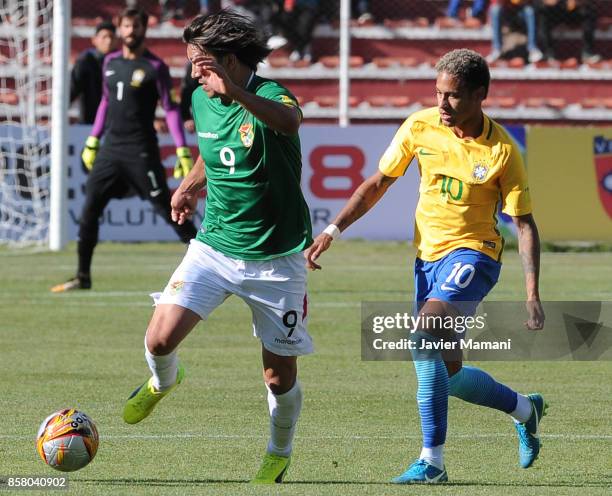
(60, 101)
(34, 65)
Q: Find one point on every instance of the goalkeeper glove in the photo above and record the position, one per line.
(184, 162)
(88, 155)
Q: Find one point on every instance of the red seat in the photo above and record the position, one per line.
(472, 23)
(571, 63)
(534, 102)
(516, 62)
(429, 101)
(328, 101)
(278, 62)
(590, 103)
(9, 98)
(333, 61)
(388, 101)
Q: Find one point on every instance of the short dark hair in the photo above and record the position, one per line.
(133, 12)
(468, 66)
(228, 32)
(105, 25)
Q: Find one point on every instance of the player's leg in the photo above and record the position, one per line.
(284, 405)
(102, 184)
(463, 281)
(275, 290)
(148, 176)
(432, 390)
(194, 290)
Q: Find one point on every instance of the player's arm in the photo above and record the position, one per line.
(282, 118)
(92, 144)
(184, 160)
(362, 200)
(185, 199)
(529, 250)
(516, 199)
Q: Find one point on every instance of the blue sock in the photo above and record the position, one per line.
(476, 386)
(432, 399)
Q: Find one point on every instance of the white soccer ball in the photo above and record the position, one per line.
(67, 440)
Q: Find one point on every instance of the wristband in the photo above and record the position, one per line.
(333, 231)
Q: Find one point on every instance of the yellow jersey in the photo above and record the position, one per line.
(462, 181)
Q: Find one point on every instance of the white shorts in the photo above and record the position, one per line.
(275, 290)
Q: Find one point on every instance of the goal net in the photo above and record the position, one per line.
(25, 115)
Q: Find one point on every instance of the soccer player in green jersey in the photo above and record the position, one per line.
(255, 229)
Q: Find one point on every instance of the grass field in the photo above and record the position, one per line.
(359, 425)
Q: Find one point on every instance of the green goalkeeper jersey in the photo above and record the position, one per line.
(255, 209)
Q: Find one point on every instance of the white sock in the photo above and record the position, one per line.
(284, 412)
(522, 412)
(163, 367)
(434, 456)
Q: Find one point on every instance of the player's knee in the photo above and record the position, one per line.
(159, 343)
(279, 382)
(453, 367)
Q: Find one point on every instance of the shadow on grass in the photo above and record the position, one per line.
(198, 482)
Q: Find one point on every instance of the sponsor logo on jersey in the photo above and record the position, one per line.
(176, 287)
(479, 173)
(247, 135)
(207, 135)
(137, 78)
(109, 73)
(602, 155)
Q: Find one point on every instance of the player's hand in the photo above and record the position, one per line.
(184, 162)
(321, 243)
(216, 78)
(189, 125)
(182, 206)
(536, 315)
(88, 155)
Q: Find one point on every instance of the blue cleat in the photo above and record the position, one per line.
(421, 472)
(528, 432)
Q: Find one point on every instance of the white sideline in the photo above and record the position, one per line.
(573, 437)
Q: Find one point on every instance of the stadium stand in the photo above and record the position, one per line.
(392, 64)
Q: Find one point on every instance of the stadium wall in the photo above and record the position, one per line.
(570, 176)
(569, 171)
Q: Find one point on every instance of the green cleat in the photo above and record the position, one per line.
(143, 400)
(272, 470)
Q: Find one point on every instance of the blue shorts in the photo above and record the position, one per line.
(463, 277)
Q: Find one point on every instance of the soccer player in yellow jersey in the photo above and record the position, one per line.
(468, 163)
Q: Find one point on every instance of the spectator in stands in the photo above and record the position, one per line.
(297, 24)
(478, 8)
(86, 75)
(360, 10)
(505, 11)
(167, 13)
(554, 12)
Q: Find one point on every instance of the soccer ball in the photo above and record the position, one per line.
(67, 440)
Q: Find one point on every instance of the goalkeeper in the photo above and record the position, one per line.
(129, 160)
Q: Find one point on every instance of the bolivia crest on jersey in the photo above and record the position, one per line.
(602, 155)
(247, 135)
(479, 172)
(137, 78)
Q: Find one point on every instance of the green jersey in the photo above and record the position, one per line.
(255, 209)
